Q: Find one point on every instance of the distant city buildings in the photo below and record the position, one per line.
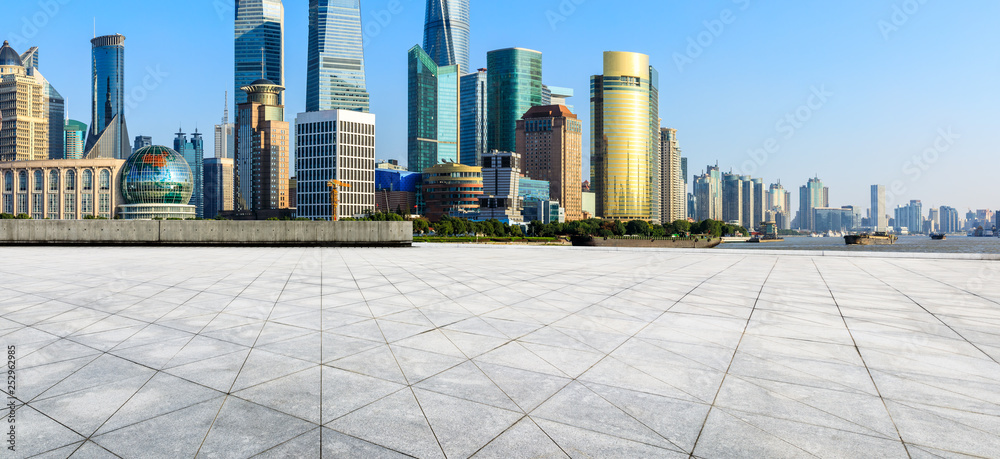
(554, 95)
(811, 195)
(451, 189)
(218, 186)
(513, 85)
(433, 112)
(259, 45)
(263, 142)
(550, 138)
(334, 145)
(225, 141)
(24, 111)
(446, 33)
(779, 205)
(879, 215)
(950, 221)
(75, 139)
(500, 172)
(193, 152)
(708, 195)
(625, 138)
(54, 103)
(108, 135)
(910, 218)
(473, 118)
(141, 141)
(673, 193)
(335, 71)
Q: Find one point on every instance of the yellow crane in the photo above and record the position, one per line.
(335, 196)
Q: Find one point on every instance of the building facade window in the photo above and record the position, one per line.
(88, 181)
(22, 203)
(22, 182)
(70, 180)
(54, 180)
(53, 210)
(69, 210)
(37, 206)
(8, 182)
(39, 181)
(105, 180)
(105, 205)
(87, 206)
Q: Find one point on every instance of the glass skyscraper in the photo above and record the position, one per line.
(514, 85)
(625, 138)
(193, 152)
(75, 136)
(433, 112)
(335, 79)
(108, 135)
(446, 32)
(260, 26)
(473, 119)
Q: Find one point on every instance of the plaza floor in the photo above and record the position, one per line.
(447, 351)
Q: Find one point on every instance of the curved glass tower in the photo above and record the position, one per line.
(446, 33)
(108, 135)
(433, 112)
(260, 25)
(625, 134)
(513, 86)
(335, 79)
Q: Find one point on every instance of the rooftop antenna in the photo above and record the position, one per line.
(95, 26)
(225, 115)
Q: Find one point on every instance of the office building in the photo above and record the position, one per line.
(334, 145)
(259, 45)
(837, 220)
(513, 85)
(759, 202)
(396, 190)
(555, 95)
(225, 141)
(543, 211)
(950, 221)
(673, 194)
(879, 214)
(54, 102)
(63, 189)
(550, 139)
(335, 73)
(262, 163)
(708, 195)
(749, 219)
(446, 32)
(24, 111)
(193, 152)
(141, 141)
(433, 112)
(108, 135)
(473, 118)
(75, 139)
(625, 138)
(732, 198)
(218, 186)
(451, 189)
(811, 196)
(909, 218)
(501, 171)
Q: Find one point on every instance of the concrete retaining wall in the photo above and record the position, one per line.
(207, 232)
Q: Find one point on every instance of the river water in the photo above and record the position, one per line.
(923, 244)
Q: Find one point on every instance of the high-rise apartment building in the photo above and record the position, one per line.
(811, 196)
(24, 111)
(446, 33)
(218, 186)
(263, 142)
(75, 138)
(193, 151)
(879, 214)
(259, 45)
(550, 140)
(749, 218)
(625, 138)
(732, 198)
(708, 195)
(501, 172)
(673, 194)
(513, 85)
(433, 112)
(473, 118)
(950, 221)
(335, 76)
(56, 105)
(334, 145)
(910, 217)
(108, 135)
(759, 202)
(225, 142)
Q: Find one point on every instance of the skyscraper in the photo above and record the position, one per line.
(433, 112)
(950, 220)
(732, 198)
(142, 141)
(673, 194)
(500, 200)
(259, 44)
(225, 142)
(75, 136)
(446, 33)
(334, 144)
(880, 219)
(24, 111)
(262, 166)
(749, 219)
(335, 77)
(555, 95)
(54, 103)
(514, 85)
(550, 140)
(708, 195)
(473, 118)
(625, 138)
(193, 151)
(108, 135)
(811, 196)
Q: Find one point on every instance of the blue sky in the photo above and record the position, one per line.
(901, 93)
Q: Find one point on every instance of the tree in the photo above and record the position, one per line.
(619, 228)
(515, 231)
(638, 228)
(421, 226)
(681, 227)
(535, 227)
(443, 228)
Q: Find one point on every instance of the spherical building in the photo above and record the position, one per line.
(156, 182)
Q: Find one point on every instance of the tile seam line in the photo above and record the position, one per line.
(861, 356)
(736, 351)
(935, 316)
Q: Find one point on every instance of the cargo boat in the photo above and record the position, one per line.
(870, 239)
(939, 237)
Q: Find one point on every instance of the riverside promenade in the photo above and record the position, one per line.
(471, 351)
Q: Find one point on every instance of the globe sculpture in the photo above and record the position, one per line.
(156, 183)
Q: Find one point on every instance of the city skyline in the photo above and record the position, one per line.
(925, 147)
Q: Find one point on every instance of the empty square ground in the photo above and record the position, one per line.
(459, 351)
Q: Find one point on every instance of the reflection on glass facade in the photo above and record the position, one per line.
(260, 24)
(335, 79)
(473, 120)
(625, 138)
(156, 175)
(514, 85)
(193, 152)
(446, 32)
(432, 112)
(108, 133)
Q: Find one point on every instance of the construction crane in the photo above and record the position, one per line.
(335, 196)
